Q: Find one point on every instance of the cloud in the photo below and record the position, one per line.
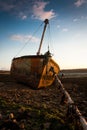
(24, 38)
(27, 8)
(40, 13)
(80, 18)
(78, 3)
(84, 17)
(22, 16)
(75, 20)
(21, 9)
(58, 26)
(6, 6)
(65, 30)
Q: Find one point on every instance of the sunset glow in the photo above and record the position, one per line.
(21, 26)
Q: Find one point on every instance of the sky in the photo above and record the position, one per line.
(21, 26)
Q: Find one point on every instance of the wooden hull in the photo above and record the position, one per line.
(34, 70)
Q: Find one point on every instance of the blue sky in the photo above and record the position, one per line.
(21, 25)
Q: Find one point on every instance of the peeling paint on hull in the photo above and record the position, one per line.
(34, 70)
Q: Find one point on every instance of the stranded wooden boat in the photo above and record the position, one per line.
(35, 70)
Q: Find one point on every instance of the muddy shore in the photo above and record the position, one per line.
(40, 109)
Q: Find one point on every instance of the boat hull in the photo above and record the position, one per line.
(34, 70)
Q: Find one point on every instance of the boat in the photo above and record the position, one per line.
(35, 71)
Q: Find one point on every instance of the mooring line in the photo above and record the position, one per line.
(70, 103)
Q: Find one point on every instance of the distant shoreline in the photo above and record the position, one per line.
(61, 71)
(4, 71)
(74, 70)
(73, 73)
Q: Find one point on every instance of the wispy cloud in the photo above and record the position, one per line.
(80, 18)
(22, 15)
(5, 6)
(27, 8)
(21, 9)
(40, 13)
(58, 26)
(78, 3)
(75, 20)
(65, 30)
(14, 8)
(24, 38)
(84, 17)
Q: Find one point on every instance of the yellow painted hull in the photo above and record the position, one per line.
(34, 70)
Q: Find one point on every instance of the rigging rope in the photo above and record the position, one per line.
(29, 39)
(50, 39)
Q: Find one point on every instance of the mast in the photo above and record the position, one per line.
(46, 22)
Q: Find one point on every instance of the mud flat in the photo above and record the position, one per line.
(39, 109)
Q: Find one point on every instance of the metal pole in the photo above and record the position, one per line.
(46, 22)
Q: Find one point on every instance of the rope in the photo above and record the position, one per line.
(73, 111)
(50, 38)
(49, 42)
(29, 40)
(72, 108)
